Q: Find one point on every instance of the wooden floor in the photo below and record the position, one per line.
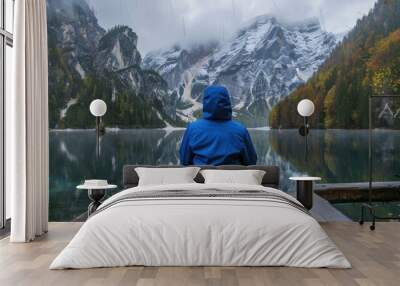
(375, 257)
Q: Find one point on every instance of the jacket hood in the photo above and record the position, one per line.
(217, 103)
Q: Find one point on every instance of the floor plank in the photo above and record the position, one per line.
(375, 257)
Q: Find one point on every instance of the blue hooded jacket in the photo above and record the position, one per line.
(217, 139)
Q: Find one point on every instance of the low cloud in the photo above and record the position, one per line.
(162, 23)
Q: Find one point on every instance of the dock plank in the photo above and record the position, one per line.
(359, 192)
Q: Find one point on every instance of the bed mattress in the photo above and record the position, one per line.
(201, 225)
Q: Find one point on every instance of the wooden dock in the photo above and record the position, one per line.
(358, 192)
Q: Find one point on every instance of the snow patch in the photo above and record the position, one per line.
(114, 94)
(116, 52)
(80, 70)
(71, 102)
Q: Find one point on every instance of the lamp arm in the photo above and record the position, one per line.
(306, 122)
(307, 130)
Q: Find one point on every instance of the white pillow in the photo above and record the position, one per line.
(166, 176)
(247, 177)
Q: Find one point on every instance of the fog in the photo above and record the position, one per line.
(162, 23)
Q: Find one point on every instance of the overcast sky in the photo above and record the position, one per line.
(162, 23)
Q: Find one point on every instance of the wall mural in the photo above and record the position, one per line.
(260, 57)
(151, 60)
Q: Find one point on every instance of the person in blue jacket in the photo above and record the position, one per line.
(217, 139)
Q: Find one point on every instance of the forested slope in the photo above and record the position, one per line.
(366, 62)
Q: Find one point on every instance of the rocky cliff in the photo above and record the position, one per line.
(87, 62)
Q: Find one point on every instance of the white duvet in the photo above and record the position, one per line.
(202, 232)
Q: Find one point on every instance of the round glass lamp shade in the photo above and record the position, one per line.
(98, 107)
(305, 108)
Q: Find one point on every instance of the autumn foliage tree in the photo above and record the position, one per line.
(384, 65)
(366, 62)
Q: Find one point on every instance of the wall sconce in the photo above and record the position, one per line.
(305, 108)
(98, 108)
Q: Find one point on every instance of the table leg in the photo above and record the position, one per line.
(305, 193)
(95, 196)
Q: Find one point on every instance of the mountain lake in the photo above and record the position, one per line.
(335, 155)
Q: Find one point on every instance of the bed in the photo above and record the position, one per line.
(199, 224)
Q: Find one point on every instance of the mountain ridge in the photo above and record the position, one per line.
(262, 63)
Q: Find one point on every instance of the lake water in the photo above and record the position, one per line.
(334, 155)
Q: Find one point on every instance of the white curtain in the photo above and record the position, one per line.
(27, 124)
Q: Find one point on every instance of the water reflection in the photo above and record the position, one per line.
(341, 155)
(336, 156)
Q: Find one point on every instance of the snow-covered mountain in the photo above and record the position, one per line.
(265, 61)
(172, 63)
